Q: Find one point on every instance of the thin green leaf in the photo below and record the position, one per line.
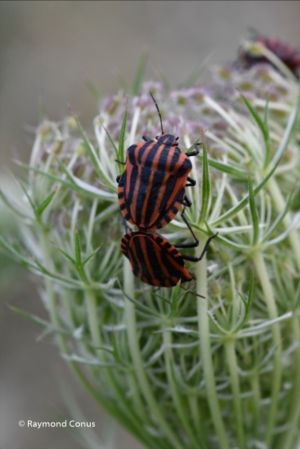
(230, 169)
(222, 239)
(122, 138)
(33, 206)
(89, 257)
(112, 142)
(15, 254)
(205, 187)
(94, 157)
(257, 118)
(78, 260)
(136, 88)
(35, 319)
(248, 302)
(65, 170)
(67, 256)
(255, 221)
(73, 186)
(280, 217)
(267, 142)
(77, 248)
(263, 127)
(145, 309)
(68, 282)
(40, 209)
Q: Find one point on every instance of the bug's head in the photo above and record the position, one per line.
(167, 139)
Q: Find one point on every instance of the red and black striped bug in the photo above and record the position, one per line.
(155, 261)
(152, 187)
(284, 51)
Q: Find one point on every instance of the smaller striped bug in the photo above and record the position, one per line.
(284, 51)
(155, 261)
(152, 187)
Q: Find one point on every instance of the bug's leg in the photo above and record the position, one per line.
(191, 244)
(196, 259)
(146, 139)
(118, 178)
(195, 151)
(120, 162)
(186, 201)
(191, 181)
(190, 291)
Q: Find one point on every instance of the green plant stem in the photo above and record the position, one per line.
(292, 432)
(235, 385)
(178, 402)
(277, 367)
(256, 395)
(133, 340)
(196, 417)
(136, 398)
(205, 351)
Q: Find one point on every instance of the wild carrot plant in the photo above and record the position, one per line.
(214, 363)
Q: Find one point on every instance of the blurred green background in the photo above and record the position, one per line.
(49, 51)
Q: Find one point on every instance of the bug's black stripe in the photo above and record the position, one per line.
(169, 186)
(140, 267)
(139, 170)
(124, 245)
(155, 158)
(122, 179)
(168, 214)
(148, 146)
(149, 159)
(173, 261)
(155, 213)
(133, 152)
(154, 188)
(175, 158)
(172, 266)
(153, 251)
(132, 184)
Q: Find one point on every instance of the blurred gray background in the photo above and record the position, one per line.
(49, 51)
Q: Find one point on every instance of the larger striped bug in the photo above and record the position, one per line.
(152, 187)
(155, 261)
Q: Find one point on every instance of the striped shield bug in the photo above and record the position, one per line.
(155, 261)
(284, 51)
(151, 189)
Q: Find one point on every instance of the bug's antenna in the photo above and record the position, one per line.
(156, 105)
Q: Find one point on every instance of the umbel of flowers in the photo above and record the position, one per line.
(214, 363)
